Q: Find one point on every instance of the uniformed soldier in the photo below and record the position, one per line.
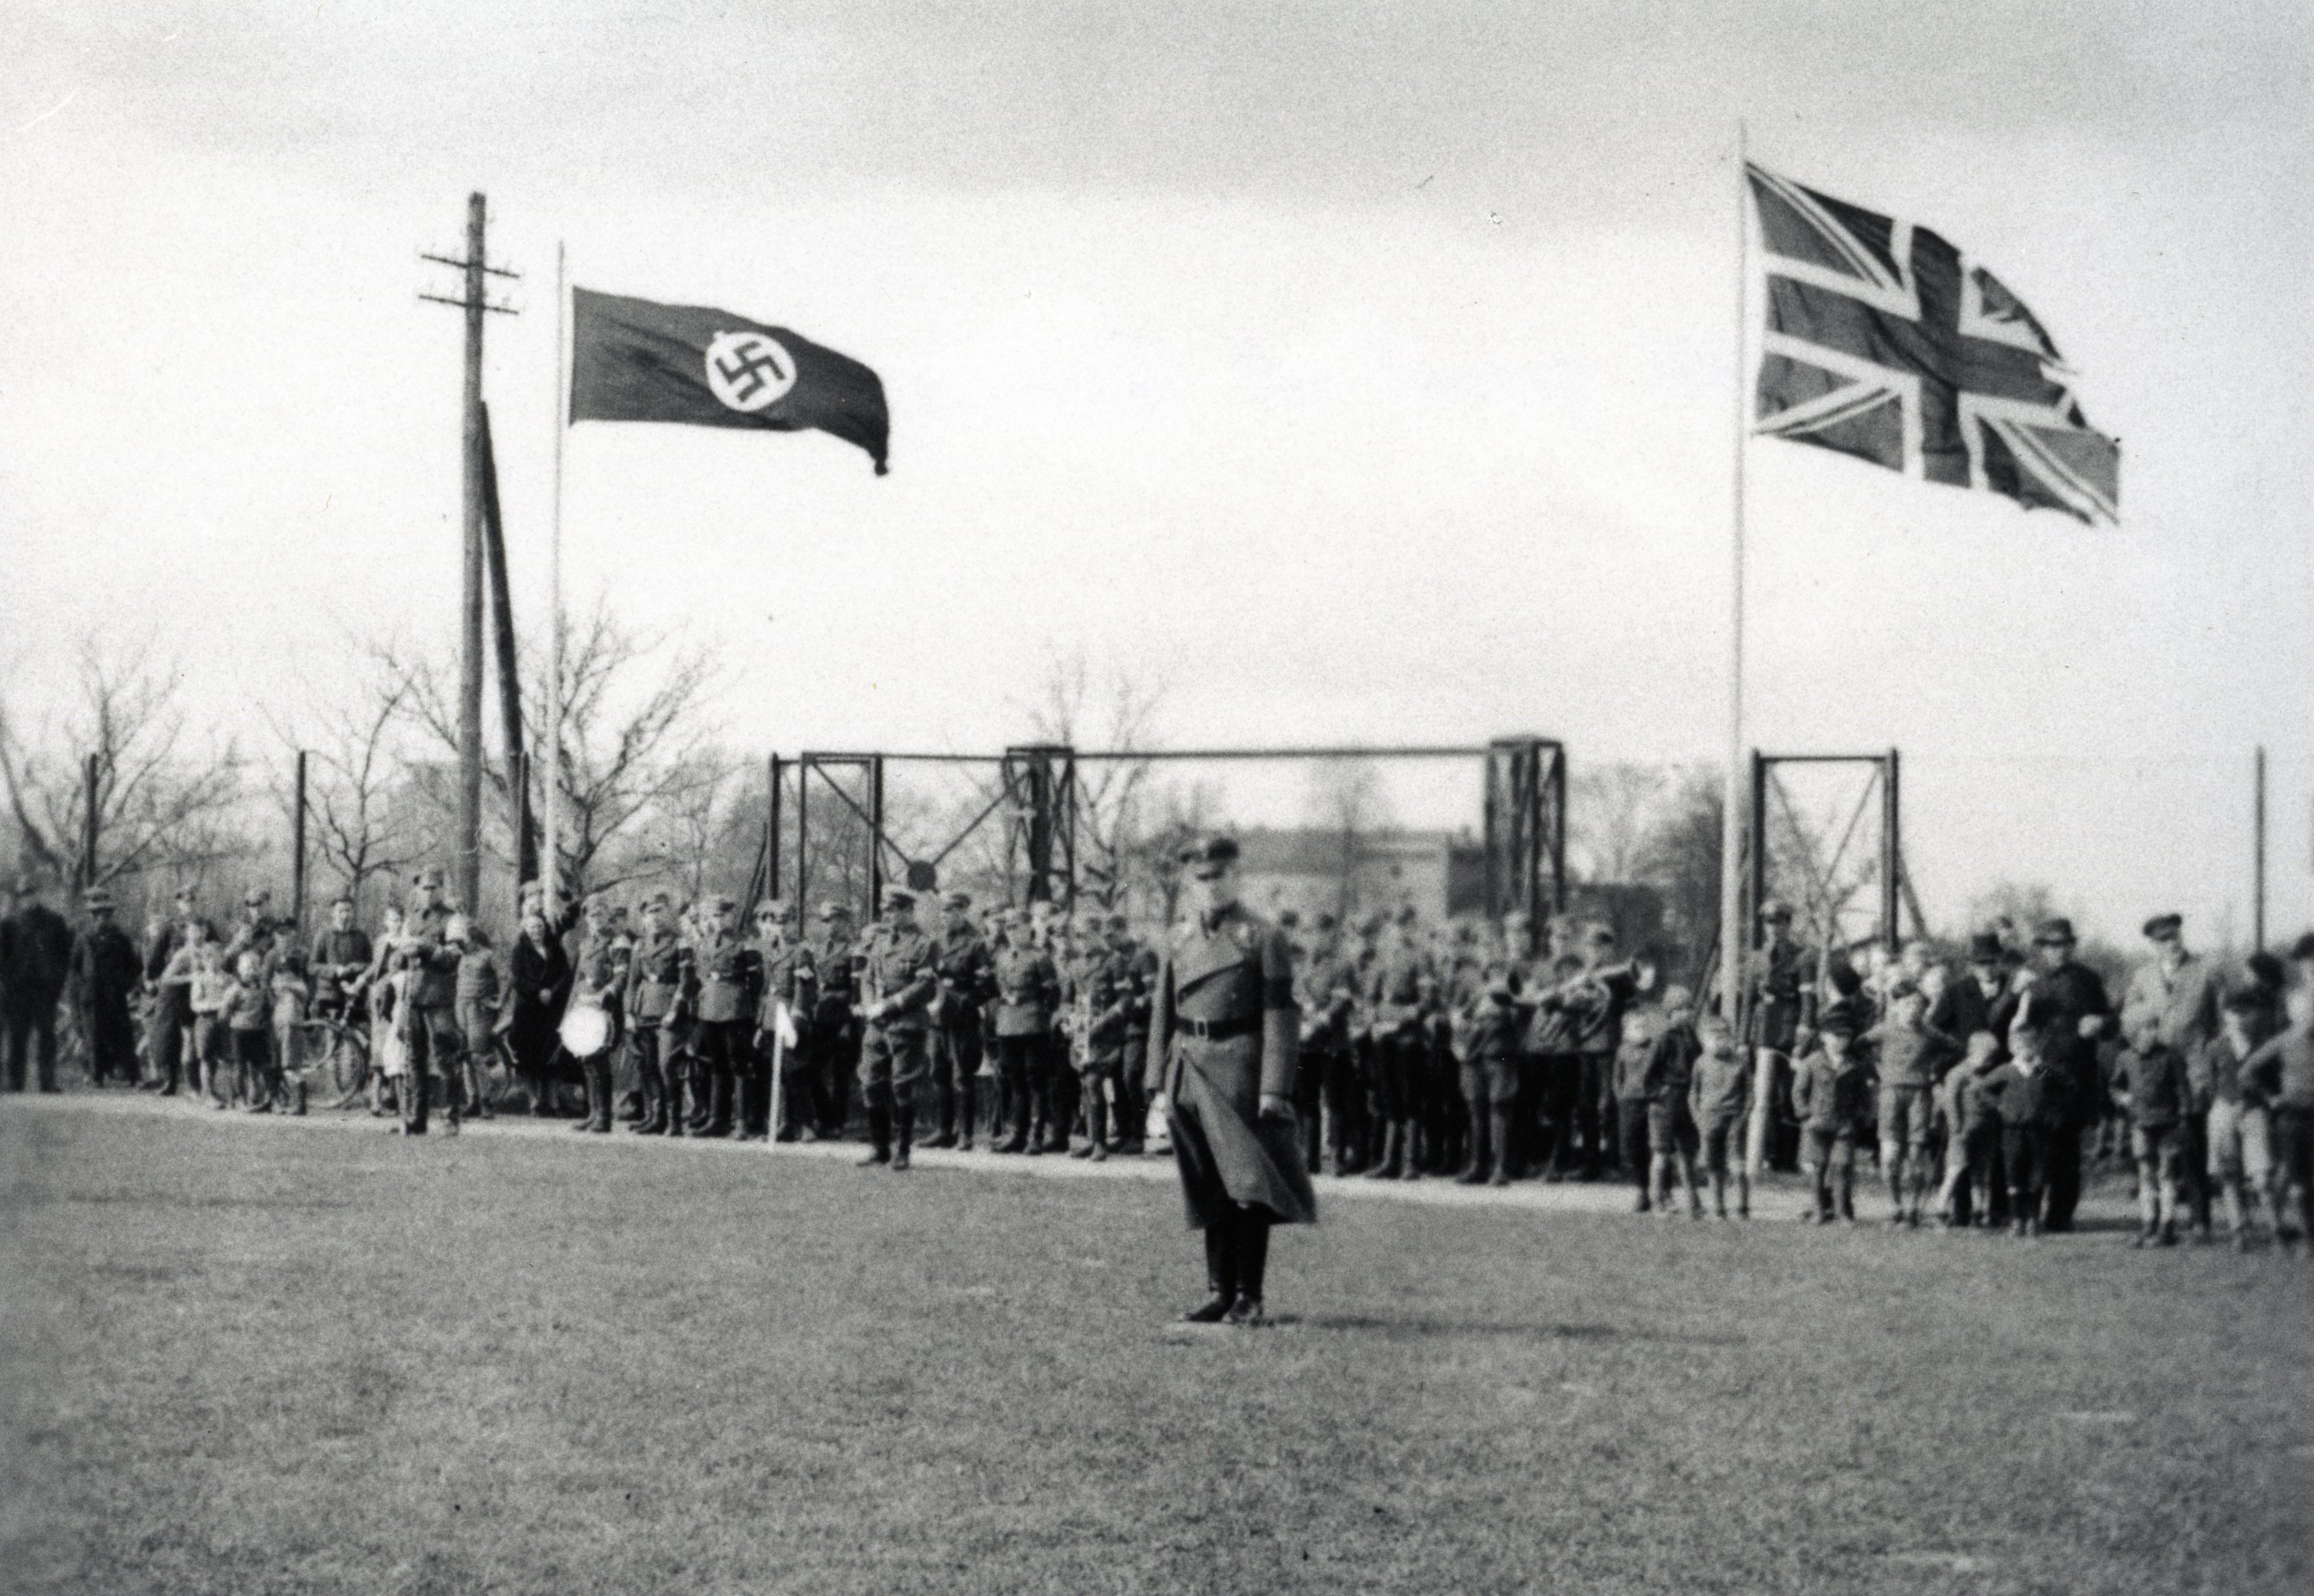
(1222, 1036)
(1140, 965)
(899, 978)
(104, 975)
(1399, 991)
(721, 982)
(427, 1016)
(1101, 999)
(1783, 1001)
(833, 1035)
(657, 1022)
(599, 974)
(1027, 994)
(966, 981)
(789, 983)
(1494, 1026)
(1330, 1001)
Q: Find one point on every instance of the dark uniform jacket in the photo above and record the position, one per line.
(789, 976)
(900, 971)
(1595, 1005)
(1828, 1096)
(35, 958)
(339, 958)
(2153, 1082)
(1329, 1002)
(1028, 991)
(832, 955)
(2040, 1097)
(1101, 999)
(539, 979)
(721, 978)
(1783, 995)
(105, 969)
(1223, 1034)
(968, 978)
(1400, 991)
(2061, 999)
(433, 963)
(655, 979)
(1963, 1009)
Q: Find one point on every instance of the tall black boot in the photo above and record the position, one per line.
(1221, 1273)
(880, 1131)
(1474, 1167)
(1252, 1265)
(944, 1092)
(1498, 1118)
(903, 1133)
(599, 1093)
(967, 1112)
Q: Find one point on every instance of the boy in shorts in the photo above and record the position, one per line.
(1907, 1049)
(2033, 1110)
(2240, 1162)
(1720, 1101)
(2281, 1073)
(1669, 1077)
(1829, 1091)
(1973, 1151)
(2150, 1083)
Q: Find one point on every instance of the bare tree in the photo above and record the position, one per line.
(161, 803)
(357, 793)
(1115, 713)
(634, 738)
(1680, 857)
(1347, 802)
(1611, 813)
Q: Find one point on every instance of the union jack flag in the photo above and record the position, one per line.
(1886, 342)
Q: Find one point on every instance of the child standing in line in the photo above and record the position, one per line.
(248, 1017)
(2238, 1125)
(1829, 1092)
(2030, 1104)
(1720, 1101)
(1671, 1126)
(1972, 1153)
(288, 998)
(209, 981)
(1906, 1047)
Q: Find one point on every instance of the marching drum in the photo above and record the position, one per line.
(584, 1030)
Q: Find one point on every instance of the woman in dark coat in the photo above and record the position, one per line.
(538, 976)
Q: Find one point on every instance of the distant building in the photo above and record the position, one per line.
(1443, 874)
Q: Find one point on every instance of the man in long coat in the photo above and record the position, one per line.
(1225, 1037)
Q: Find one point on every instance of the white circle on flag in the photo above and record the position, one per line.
(749, 371)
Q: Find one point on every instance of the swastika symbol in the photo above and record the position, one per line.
(749, 371)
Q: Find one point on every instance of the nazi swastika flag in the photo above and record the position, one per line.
(634, 360)
(1886, 342)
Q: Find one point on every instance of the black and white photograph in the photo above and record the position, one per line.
(1012, 797)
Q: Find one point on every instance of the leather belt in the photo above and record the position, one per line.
(1216, 1030)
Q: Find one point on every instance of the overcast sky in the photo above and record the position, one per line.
(1364, 372)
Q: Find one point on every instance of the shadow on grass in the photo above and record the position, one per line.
(1419, 1327)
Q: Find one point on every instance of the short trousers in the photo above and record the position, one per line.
(1493, 1081)
(2241, 1142)
(1723, 1139)
(1671, 1127)
(1827, 1149)
(2158, 1148)
(1905, 1116)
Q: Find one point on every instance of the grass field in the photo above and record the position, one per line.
(244, 1357)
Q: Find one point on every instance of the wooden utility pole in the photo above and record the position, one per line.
(297, 854)
(475, 303)
(2258, 895)
(92, 823)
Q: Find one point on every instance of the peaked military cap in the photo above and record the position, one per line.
(98, 898)
(2054, 930)
(958, 901)
(1775, 909)
(899, 897)
(2163, 927)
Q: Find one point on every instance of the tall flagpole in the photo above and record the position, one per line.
(1732, 939)
(550, 866)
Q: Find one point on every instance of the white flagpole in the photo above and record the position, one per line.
(550, 866)
(1732, 922)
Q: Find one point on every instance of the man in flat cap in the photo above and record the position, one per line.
(966, 981)
(2169, 1016)
(104, 976)
(1223, 1035)
(2065, 1001)
(899, 978)
(1961, 1010)
(35, 962)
